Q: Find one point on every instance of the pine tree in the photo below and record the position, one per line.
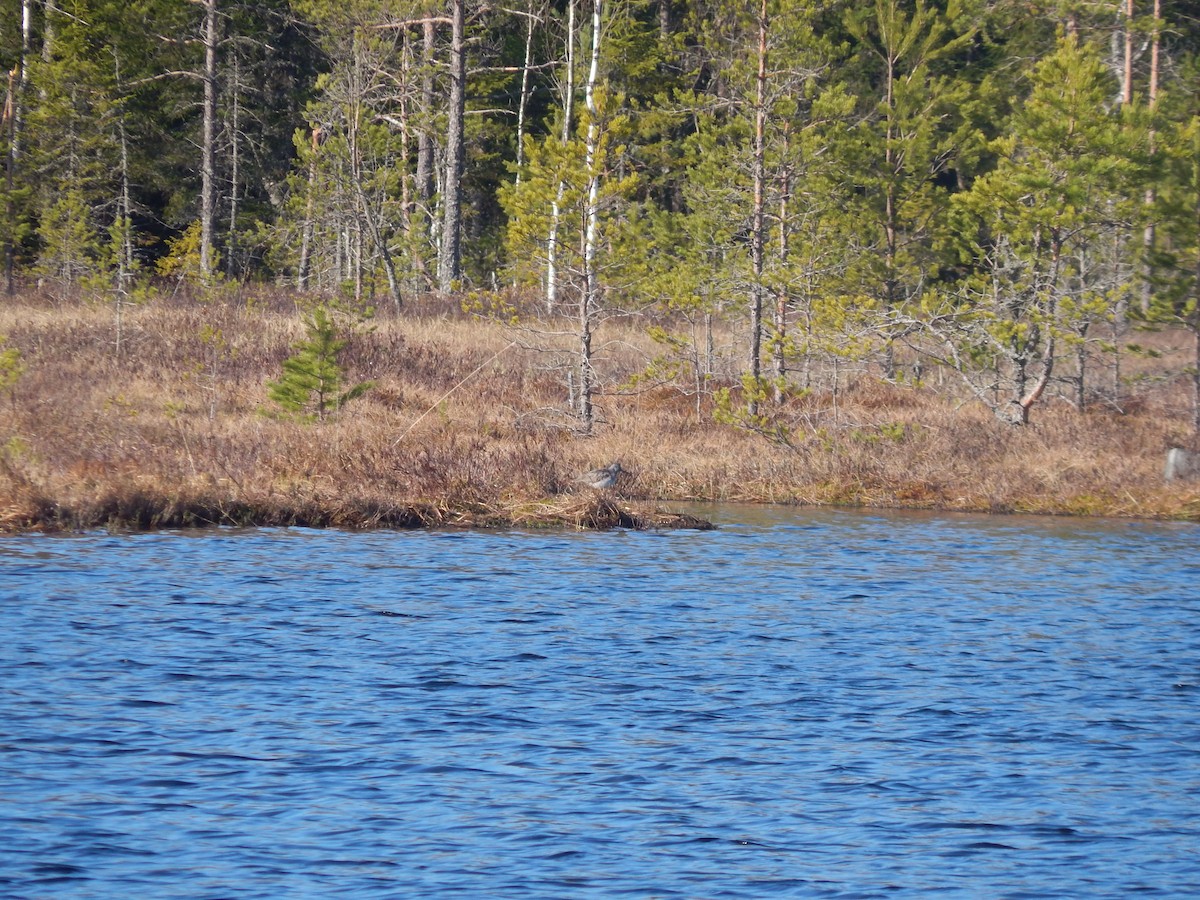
(72, 147)
(311, 385)
(1052, 222)
(908, 139)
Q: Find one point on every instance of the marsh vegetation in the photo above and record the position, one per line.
(469, 421)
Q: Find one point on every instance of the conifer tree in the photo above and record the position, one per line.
(1064, 193)
(1175, 300)
(311, 384)
(757, 192)
(72, 146)
(908, 139)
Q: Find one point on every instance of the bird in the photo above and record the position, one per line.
(602, 479)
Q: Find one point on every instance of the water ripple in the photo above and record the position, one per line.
(798, 704)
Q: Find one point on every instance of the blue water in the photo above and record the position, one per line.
(800, 704)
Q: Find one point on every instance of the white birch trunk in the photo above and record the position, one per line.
(758, 229)
(450, 258)
(208, 146)
(523, 100)
(589, 301)
(555, 207)
(1149, 237)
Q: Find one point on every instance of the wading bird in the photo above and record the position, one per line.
(602, 479)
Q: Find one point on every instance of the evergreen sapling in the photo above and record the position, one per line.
(311, 384)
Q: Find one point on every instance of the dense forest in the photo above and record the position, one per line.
(1005, 190)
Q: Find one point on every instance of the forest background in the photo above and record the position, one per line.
(762, 207)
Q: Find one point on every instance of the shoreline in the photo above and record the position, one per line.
(142, 513)
(173, 425)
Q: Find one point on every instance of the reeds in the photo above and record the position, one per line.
(468, 428)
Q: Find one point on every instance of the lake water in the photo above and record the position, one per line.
(800, 704)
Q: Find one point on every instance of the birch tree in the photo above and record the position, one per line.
(208, 174)
(573, 182)
(450, 256)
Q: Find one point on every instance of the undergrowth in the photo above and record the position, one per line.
(465, 425)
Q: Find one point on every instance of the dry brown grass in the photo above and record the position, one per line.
(175, 431)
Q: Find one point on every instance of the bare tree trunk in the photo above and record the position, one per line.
(125, 265)
(556, 205)
(781, 297)
(1149, 237)
(124, 203)
(379, 239)
(306, 232)
(208, 184)
(1025, 399)
(425, 143)
(589, 299)
(710, 352)
(1194, 322)
(415, 210)
(366, 211)
(1127, 74)
(404, 111)
(523, 100)
(48, 36)
(354, 114)
(356, 257)
(14, 112)
(450, 259)
(18, 110)
(758, 229)
(340, 245)
(889, 222)
(1081, 359)
(12, 104)
(235, 144)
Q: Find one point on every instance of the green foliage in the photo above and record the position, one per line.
(182, 259)
(69, 238)
(16, 227)
(1176, 297)
(12, 367)
(492, 305)
(311, 384)
(951, 164)
(15, 450)
(914, 126)
(553, 191)
(1066, 160)
(678, 356)
(755, 393)
(71, 146)
(1048, 228)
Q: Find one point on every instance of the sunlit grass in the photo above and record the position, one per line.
(469, 424)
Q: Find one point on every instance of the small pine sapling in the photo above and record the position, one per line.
(311, 385)
(11, 368)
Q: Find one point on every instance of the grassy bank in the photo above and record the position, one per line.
(161, 418)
